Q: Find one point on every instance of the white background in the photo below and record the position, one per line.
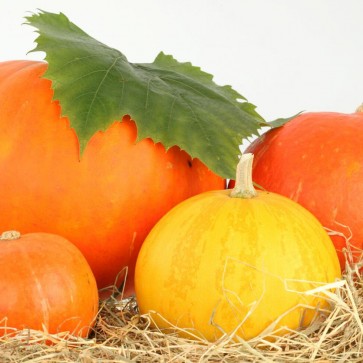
(284, 56)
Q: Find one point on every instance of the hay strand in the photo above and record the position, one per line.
(121, 334)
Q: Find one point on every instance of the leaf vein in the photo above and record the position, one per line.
(99, 88)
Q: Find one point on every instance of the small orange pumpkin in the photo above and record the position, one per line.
(46, 284)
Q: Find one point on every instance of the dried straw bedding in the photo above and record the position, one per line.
(121, 334)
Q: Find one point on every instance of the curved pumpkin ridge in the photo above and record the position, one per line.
(107, 201)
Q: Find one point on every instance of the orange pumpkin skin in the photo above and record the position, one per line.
(46, 283)
(316, 159)
(105, 201)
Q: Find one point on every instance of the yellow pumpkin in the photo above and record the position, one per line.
(235, 262)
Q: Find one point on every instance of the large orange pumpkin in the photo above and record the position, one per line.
(105, 201)
(46, 284)
(317, 160)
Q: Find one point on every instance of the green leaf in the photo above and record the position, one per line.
(279, 121)
(171, 102)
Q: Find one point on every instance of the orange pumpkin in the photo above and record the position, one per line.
(316, 159)
(46, 284)
(105, 201)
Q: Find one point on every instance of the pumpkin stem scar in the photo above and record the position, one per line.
(244, 185)
(10, 235)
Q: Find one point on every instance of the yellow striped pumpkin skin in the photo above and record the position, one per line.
(217, 264)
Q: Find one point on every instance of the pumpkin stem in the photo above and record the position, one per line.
(244, 185)
(10, 235)
(360, 108)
